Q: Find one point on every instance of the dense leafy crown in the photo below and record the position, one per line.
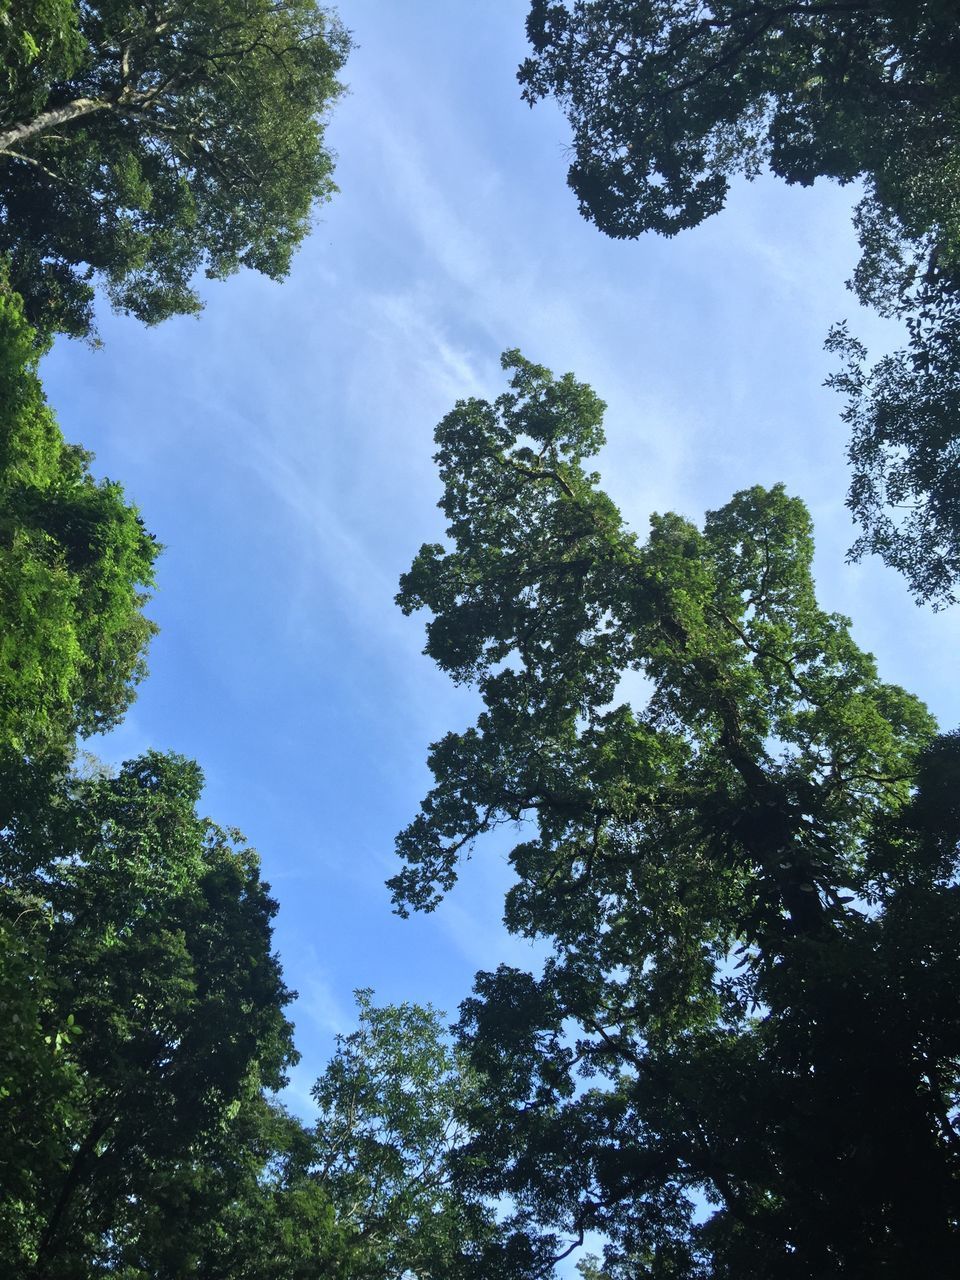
(151, 1020)
(546, 600)
(669, 98)
(142, 142)
(745, 999)
(147, 1038)
(75, 565)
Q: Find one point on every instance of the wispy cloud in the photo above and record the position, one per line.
(319, 1000)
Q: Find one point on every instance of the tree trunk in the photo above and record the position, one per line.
(46, 1251)
(14, 137)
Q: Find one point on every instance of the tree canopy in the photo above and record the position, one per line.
(146, 1039)
(905, 434)
(670, 99)
(747, 877)
(367, 1191)
(386, 1128)
(75, 566)
(153, 1018)
(140, 143)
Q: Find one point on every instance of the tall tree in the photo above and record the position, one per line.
(741, 1057)
(146, 1038)
(141, 142)
(75, 566)
(668, 99)
(155, 1019)
(367, 1190)
(388, 1125)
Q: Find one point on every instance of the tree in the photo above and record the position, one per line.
(366, 1191)
(905, 437)
(75, 566)
(668, 99)
(140, 142)
(741, 1056)
(150, 1021)
(146, 1040)
(387, 1126)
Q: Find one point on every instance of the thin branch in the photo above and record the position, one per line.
(56, 177)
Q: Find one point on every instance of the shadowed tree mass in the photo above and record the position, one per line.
(747, 880)
(145, 1038)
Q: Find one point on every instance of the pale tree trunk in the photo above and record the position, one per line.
(14, 137)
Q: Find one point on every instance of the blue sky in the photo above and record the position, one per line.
(280, 447)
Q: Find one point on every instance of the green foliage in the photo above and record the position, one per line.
(139, 144)
(146, 1038)
(905, 451)
(74, 564)
(147, 1009)
(365, 1192)
(905, 437)
(668, 100)
(382, 1144)
(40, 43)
(748, 880)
